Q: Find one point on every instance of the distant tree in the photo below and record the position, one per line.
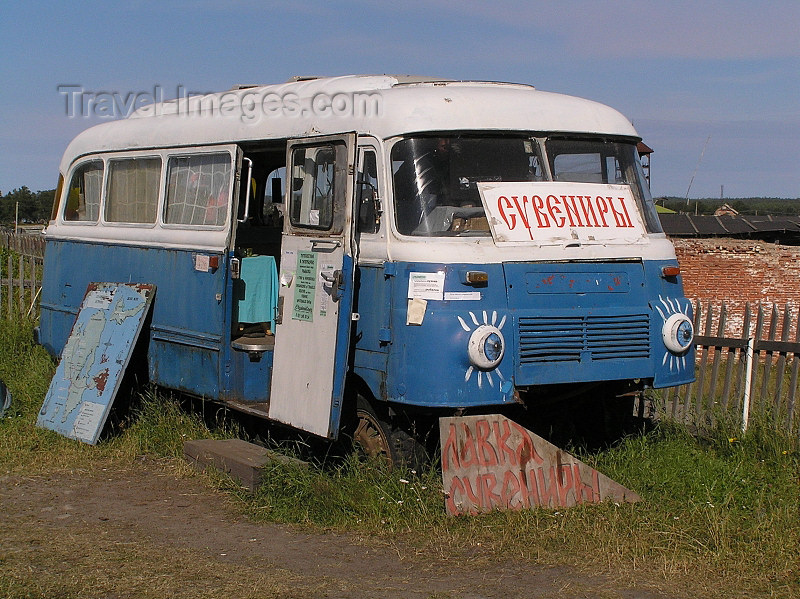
(44, 203)
(19, 201)
(33, 207)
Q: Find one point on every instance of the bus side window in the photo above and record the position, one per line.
(132, 190)
(198, 188)
(369, 215)
(83, 194)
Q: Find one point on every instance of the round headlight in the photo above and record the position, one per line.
(486, 347)
(678, 333)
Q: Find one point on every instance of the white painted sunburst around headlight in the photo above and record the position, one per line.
(485, 348)
(677, 331)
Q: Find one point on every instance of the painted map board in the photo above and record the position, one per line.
(94, 359)
(490, 462)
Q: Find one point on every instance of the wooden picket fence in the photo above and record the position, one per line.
(27, 244)
(752, 371)
(21, 275)
(20, 286)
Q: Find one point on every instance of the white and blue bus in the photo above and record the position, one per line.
(368, 251)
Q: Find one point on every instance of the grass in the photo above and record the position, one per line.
(720, 515)
(155, 425)
(128, 569)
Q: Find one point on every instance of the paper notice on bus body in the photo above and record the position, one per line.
(416, 311)
(426, 285)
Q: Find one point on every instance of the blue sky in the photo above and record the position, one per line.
(721, 76)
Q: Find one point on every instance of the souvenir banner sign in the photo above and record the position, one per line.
(556, 212)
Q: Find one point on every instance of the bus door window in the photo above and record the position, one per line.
(369, 210)
(313, 187)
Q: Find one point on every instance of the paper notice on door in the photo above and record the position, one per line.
(416, 311)
(426, 285)
(305, 287)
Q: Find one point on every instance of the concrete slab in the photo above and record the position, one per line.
(241, 460)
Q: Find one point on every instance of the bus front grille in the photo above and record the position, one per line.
(581, 338)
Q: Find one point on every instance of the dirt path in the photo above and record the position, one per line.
(177, 518)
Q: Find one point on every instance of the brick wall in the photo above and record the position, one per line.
(737, 271)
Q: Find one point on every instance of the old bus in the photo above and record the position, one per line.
(368, 251)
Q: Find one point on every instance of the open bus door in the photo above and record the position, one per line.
(315, 299)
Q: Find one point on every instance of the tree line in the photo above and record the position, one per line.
(26, 206)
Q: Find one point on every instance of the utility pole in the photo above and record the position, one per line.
(697, 167)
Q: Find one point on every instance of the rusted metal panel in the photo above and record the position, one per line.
(490, 463)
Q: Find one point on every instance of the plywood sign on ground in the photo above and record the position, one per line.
(490, 462)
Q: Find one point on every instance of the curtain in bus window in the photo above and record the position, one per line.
(83, 197)
(198, 189)
(133, 190)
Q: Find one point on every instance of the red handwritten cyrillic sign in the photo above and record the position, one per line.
(491, 462)
(552, 211)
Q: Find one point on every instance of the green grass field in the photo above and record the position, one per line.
(720, 516)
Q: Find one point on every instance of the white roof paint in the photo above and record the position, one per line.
(408, 105)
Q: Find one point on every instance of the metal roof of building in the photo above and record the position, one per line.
(766, 227)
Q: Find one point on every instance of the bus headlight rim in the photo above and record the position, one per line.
(678, 333)
(486, 347)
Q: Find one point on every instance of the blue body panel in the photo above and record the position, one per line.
(561, 323)
(190, 320)
(428, 364)
(342, 360)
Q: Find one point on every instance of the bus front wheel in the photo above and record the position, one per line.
(377, 435)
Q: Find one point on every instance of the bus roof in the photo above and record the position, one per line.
(379, 105)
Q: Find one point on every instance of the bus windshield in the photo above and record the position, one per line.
(435, 178)
(603, 161)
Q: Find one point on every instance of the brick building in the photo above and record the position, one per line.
(737, 259)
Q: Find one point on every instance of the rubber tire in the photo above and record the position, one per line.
(379, 436)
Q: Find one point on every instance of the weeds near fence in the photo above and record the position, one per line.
(754, 373)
